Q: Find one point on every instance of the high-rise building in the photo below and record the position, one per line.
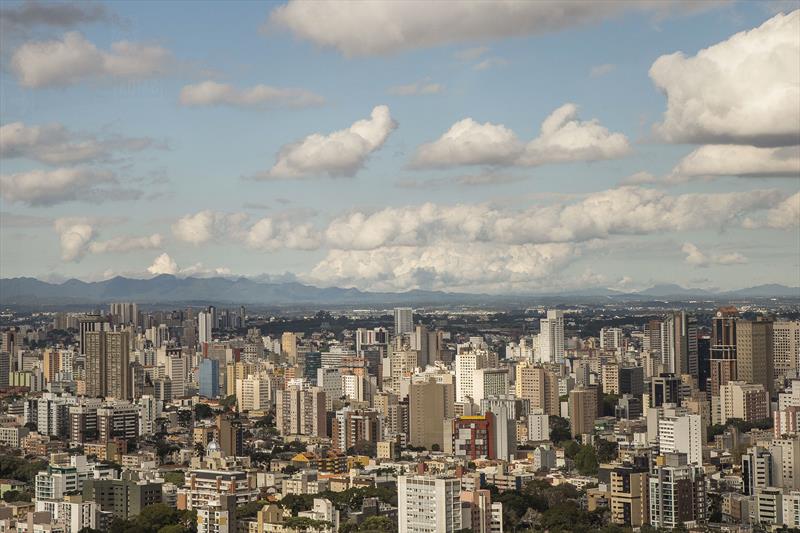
(51, 364)
(217, 516)
(300, 410)
(205, 325)
(756, 470)
(681, 433)
(125, 313)
(209, 378)
(429, 404)
(583, 402)
(664, 389)
(754, 353)
(426, 504)
(629, 492)
(679, 344)
(677, 492)
(539, 386)
(253, 393)
(289, 347)
(353, 426)
(88, 323)
(723, 348)
(488, 382)
(551, 337)
(467, 362)
(611, 339)
(786, 348)
(741, 400)
(108, 364)
(403, 321)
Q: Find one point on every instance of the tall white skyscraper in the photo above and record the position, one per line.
(426, 503)
(551, 337)
(204, 325)
(403, 320)
(467, 362)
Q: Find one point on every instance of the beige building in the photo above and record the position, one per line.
(786, 348)
(300, 410)
(754, 352)
(538, 385)
(582, 410)
(629, 490)
(108, 364)
(745, 401)
(430, 403)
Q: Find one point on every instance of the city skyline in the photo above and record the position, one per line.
(526, 147)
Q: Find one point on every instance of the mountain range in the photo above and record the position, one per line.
(162, 289)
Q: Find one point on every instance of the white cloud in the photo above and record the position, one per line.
(732, 160)
(208, 225)
(54, 144)
(164, 264)
(598, 71)
(743, 90)
(74, 236)
(601, 215)
(491, 62)
(341, 153)
(785, 215)
(418, 88)
(126, 244)
(375, 27)
(73, 59)
(209, 93)
(639, 178)
(698, 258)
(443, 266)
(49, 187)
(563, 138)
(270, 234)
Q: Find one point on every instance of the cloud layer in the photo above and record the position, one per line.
(73, 59)
(210, 93)
(697, 257)
(50, 187)
(563, 138)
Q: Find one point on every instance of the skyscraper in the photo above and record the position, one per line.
(551, 337)
(403, 320)
(430, 403)
(723, 348)
(786, 348)
(754, 352)
(426, 503)
(209, 378)
(108, 364)
(679, 344)
(204, 327)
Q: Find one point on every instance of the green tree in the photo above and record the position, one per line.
(606, 450)
(559, 429)
(376, 524)
(203, 411)
(586, 461)
(571, 448)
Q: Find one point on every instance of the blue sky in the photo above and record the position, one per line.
(537, 222)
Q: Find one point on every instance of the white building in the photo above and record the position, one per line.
(253, 393)
(488, 382)
(681, 433)
(204, 327)
(428, 504)
(467, 362)
(551, 338)
(611, 339)
(403, 320)
(538, 426)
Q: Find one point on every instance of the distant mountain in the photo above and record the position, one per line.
(170, 289)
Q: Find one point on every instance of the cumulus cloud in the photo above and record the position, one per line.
(271, 234)
(50, 187)
(32, 13)
(164, 264)
(418, 88)
(743, 90)
(207, 225)
(54, 144)
(733, 160)
(785, 215)
(481, 266)
(621, 211)
(563, 138)
(74, 236)
(210, 93)
(341, 153)
(639, 178)
(74, 59)
(696, 257)
(375, 27)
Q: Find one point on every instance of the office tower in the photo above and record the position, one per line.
(786, 348)
(403, 321)
(756, 470)
(611, 339)
(177, 369)
(677, 492)
(539, 386)
(289, 347)
(253, 393)
(629, 491)
(209, 378)
(744, 401)
(723, 348)
(5, 369)
(117, 421)
(631, 380)
(125, 313)
(664, 389)
(467, 362)
(652, 340)
(679, 344)
(108, 364)
(489, 382)
(89, 323)
(504, 428)
(583, 402)
(205, 325)
(123, 498)
(427, 503)
(474, 436)
(754, 353)
(429, 403)
(551, 337)
(51, 359)
(351, 426)
(703, 361)
(300, 410)
(628, 407)
(403, 364)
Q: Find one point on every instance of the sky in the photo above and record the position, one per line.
(499, 147)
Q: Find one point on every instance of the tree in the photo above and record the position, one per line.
(606, 450)
(571, 448)
(363, 447)
(16, 496)
(559, 429)
(586, 461)
(203, 411)
(377, 524)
